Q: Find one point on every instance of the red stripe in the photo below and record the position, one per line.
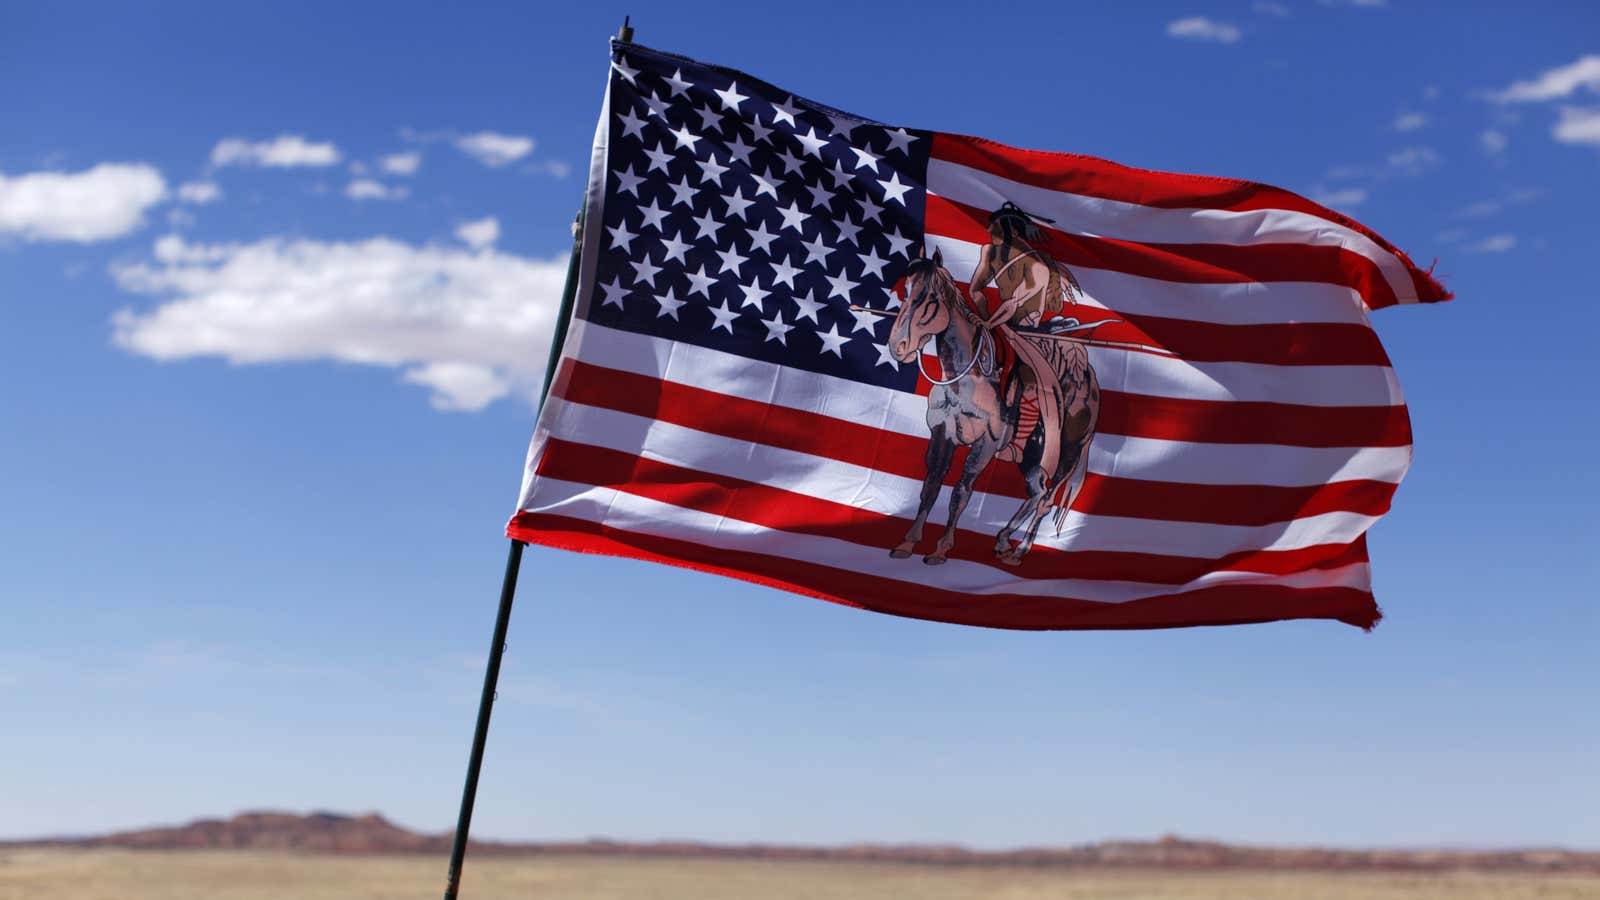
(1099, 178)
(776, 508)
(1275, 344)
(901, 454)
(1232, 605)
(1187, 263)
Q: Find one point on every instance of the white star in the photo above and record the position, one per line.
(629, 181)
(621, 65)
(621, 236)
(897, 243)
(785, 112)
(820, 195)
(890, 301)
(699, 282)
(739, 150)
(894, 189)
(656, 106)
(754, 294)
(813, 144)
(763, 186)
(682, 192)
(676, 247)
(808, 307)
(659, 159)
(732, 260)
(793, 217)
(870, 210)
(614, 293)
(900, 139)
(872, 262)
(653, 214)
(710, 119)
(725, 316)
(865, 160)
(737, 203)
(680, 88)
(758, 131)
(632, 124)
(838, 174)
(817, 250)
(708, 227)
(761, 239)
(866, 320)
(669, 304)
(783, 272)
(843, 126)
(791, 164)
(685, 137)
(731, 98)
(833, 341)
(840, 285)
(777, 330)
(847, 229)
(645, 271)
(710, 169)
(885, 358)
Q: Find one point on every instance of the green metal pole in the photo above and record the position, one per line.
(508, 592)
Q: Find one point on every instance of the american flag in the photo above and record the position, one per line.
(729, 397)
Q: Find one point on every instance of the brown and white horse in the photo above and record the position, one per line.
(965, 409)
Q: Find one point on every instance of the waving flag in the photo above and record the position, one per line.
(934, 376)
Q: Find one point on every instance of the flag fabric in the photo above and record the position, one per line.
(804, 343)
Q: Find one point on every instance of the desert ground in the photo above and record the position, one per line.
(105, 874)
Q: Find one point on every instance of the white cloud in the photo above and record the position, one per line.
(199, 192)
(1410, 121)
(107, 201)
(494, 149)
(480, 233)
(1553, 84)
(401, 163)
(555, 168)
(470, 326)
(1493, 141)
(1345, 197)
(1200, 28)
(1498, 243)
(368, 189)
(1269, 8)
(1430, 92)
(1413, 160)
(1578, 125)
(282, 152)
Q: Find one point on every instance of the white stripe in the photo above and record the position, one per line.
(1080, 214)
(1244, 303)
(640, 515)
(880, 492)
(1150, 459)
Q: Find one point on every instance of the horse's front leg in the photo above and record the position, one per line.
(941, 451)
(977, 458)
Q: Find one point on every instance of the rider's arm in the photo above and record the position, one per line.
(981, 274)
(1004, 313)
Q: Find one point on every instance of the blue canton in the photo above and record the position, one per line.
(742, 218)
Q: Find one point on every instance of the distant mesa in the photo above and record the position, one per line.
(333, 833)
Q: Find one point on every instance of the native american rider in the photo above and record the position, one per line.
(1033, 289)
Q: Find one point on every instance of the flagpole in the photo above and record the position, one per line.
(508, 592)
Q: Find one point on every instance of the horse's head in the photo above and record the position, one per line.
(926, 311)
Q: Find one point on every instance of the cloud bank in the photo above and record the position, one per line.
(107, 201)
(472, 326)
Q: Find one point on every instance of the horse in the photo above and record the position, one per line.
(966, 410)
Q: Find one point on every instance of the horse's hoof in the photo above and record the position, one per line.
(1011, 559)
(900, 553)
(933, 559)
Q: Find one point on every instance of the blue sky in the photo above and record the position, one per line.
(278, 285)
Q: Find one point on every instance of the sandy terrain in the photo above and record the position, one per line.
(249, 875)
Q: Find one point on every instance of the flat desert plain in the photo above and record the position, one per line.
(104, 874)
